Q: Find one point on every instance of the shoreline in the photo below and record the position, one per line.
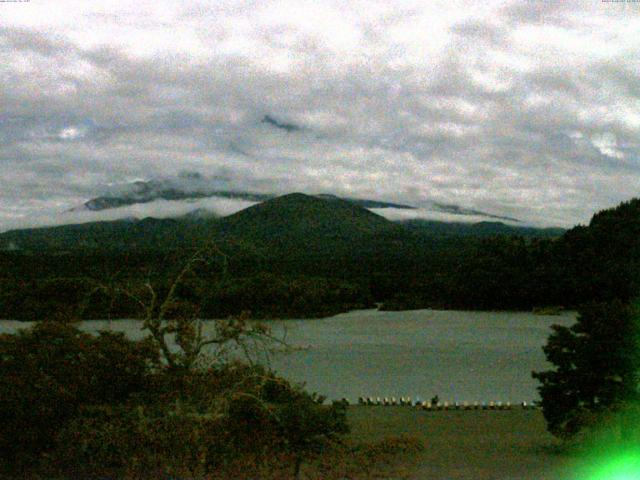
(539, 312)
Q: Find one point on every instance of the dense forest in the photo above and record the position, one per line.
(302, 256)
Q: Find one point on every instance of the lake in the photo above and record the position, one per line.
(458, 355)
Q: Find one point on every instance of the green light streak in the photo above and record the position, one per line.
(621, 466)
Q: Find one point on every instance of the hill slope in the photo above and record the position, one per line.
(299, 235)
(294, 218)
(603, 258)
(118, 234)
(478, 230)
(299, 217)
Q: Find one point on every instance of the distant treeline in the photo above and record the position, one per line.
(262, 295)
(304, 274)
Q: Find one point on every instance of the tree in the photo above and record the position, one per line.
(77, 404)
(597, 367)
(306, 425)
(171, 315)
(48, 372)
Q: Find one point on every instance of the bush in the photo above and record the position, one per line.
(242, 435)
(125, 442)
(48, 372)
(82, 406)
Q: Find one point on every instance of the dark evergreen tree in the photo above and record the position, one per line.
(596, 367)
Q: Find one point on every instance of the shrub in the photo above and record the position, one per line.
(138, 442)
(83, 406)
(48, 372)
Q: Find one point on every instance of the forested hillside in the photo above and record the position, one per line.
(300, 256)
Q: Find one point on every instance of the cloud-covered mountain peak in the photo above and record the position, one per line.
(191, 191)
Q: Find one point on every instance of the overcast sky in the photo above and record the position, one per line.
(529, 109)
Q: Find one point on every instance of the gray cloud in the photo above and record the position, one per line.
(522, 109)
(287, 127)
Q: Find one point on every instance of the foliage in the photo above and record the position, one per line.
(126, 443)
(303, 257)
(298, 256)
(123, 442)
(265, 295)
(276, 296)
(84, 406)
(303, 422)
(48, 372)
(596, 367)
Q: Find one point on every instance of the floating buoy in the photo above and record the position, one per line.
(440, 405)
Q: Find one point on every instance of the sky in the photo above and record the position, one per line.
(527, 109)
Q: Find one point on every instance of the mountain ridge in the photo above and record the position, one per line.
(295, 217)
(195, 187)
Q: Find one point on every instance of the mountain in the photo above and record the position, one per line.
(145, 192)
(199, 214)
(479, 229)
(192, 187)
(119, 234)
(302, 234)
(290, 218)
(411, 264)
(286, 220)
(307, 218)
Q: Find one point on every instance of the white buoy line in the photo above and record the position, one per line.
(444, 405)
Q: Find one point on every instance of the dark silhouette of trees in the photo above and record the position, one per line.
(596, 367)
(49, 372)
(180, 401)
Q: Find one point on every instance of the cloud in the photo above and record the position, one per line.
(522, 109)
(287, 127)
(607, 145)
(396, 214)
(156, 209)
(71, 133)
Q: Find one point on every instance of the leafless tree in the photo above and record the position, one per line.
(166, 317)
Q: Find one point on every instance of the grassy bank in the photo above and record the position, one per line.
(474, 445)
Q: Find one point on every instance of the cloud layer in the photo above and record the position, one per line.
(523, 109)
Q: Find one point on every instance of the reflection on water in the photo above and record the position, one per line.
(460, 356)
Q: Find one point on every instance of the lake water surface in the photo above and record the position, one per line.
(460, 356)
